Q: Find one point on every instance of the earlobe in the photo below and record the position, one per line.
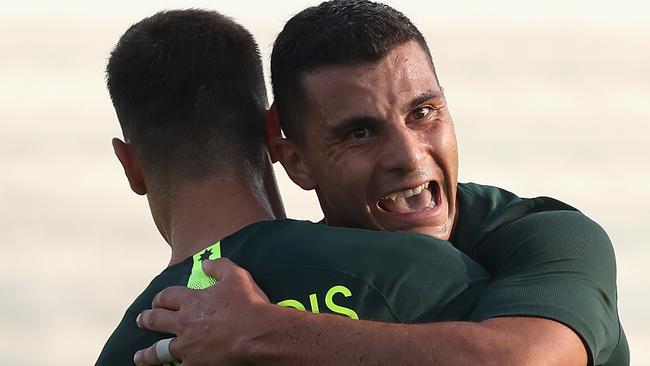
(126, 156)
(293, 160)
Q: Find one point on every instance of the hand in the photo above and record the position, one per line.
(213, 326)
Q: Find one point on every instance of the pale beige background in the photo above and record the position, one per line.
(549, 98)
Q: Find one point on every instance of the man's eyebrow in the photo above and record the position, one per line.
(423, 97)
(345, 126)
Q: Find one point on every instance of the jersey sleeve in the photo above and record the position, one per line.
(128, 338)
(557, 265)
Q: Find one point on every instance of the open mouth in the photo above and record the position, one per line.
(421, 198)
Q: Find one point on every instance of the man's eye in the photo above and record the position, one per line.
(360, 133)
(422, 112)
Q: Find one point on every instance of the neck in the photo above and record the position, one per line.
(205, 212)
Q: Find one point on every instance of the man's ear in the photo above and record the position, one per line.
(126, 156)
(293, 160)
(272, 132)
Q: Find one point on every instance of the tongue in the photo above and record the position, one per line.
(415, 203)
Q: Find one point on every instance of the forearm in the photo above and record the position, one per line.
(299, 338)
(326, 340)
(233, 323)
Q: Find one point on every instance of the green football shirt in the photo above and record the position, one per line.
(546, 260)
(382, 276)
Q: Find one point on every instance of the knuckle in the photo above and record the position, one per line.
(160, 297)
(240, 272)
(183, 321)
(176, 348)
(166, 296)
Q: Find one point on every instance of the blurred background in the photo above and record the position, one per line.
(549, 98)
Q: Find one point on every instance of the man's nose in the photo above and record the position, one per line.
(403, 150)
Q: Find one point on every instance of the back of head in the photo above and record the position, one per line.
(345, 32)
(188, 89)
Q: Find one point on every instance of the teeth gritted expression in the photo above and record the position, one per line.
(415, 199)
(382, 150)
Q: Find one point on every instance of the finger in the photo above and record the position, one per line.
(149, 356)
(248, 281)
(223, 267)
(261, 294)
(219, 268)
(170, 298)
(146, 356)
(159, 320)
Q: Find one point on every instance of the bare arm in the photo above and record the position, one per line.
(237, 324)
(333, 340)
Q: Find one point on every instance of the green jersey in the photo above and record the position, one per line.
(546, 260)
(399, 278)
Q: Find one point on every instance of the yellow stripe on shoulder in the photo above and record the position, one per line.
(198, 279)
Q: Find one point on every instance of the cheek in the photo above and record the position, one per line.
(442, 137)
(448, 144)
(345, 183)
(441, 142)
(447, 153)
(340, 165)
(342, 173)
(335, 155)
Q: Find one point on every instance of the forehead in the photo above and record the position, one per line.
(373, 89)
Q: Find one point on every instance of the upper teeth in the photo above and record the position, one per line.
(406, 193)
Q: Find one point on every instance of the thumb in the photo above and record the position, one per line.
(224, 267)
(218, 268)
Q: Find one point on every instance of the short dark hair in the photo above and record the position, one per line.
(345, 32)
(188, 89)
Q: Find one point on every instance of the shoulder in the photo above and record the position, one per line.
(565, 241)
(127, 338)
(386, 268)
(569, 236)
(349, 249)
(483, 209)
(558, 265)
(493, 220)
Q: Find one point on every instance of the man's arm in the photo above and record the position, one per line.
(239, 326)
(331, 340)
